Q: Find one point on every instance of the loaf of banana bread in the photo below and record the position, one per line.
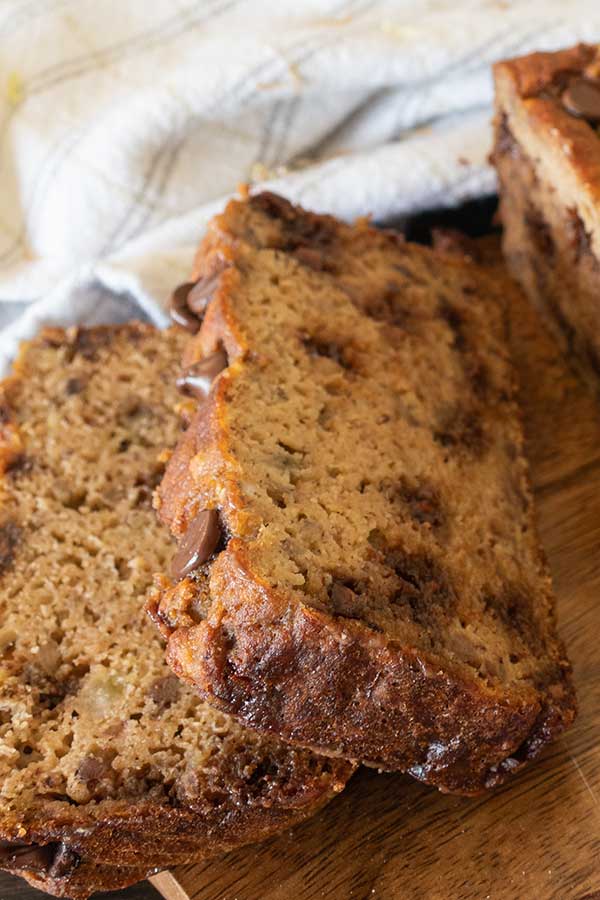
(109, 767)
(547, 153)
(358, 568)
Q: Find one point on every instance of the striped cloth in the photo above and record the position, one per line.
(126, 124)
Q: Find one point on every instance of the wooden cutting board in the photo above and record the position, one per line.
(386, 836)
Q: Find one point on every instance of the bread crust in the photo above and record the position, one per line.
(523, 84)
(332, 686)
(293, 670)
(111, 843)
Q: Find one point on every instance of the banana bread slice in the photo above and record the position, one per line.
(358, 568)
(108, 766)
(547, 153)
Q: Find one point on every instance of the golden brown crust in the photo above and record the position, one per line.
(531, 84)
(74, 847)
(343, 689)
(294, 669)
(533, 73)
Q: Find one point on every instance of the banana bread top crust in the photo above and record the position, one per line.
(377, 589)
(108, 766)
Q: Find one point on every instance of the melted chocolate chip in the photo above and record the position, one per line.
(180, 313)
(478, 376)
(272, 205)
(389, 305)
(16, 855)
(344, 599)
(86, 342)
(581, 98)
(540, 232)
(423, 503)
(57, 860)
(461, 429)
(198, 544)
(314, 258)
(506, 144)
(20, 464)
(591, 355)
(74, 386)
(92, 769)
(65, 862)
(164, 691)
(299, 229)
(455, 321)
(347, 601)
(202, 293)
(422, 585)
(197, 379)
(579, 239)
(10, 534)
(513, 607)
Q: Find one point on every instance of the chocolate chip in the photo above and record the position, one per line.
(455, 321)
(478, 376)
(164, 691)
(92, 768)
(273, 205)
(313, 258)
(10, 534)
(581, 98)
(298, 228)
(197, 379)
(344, 599)
(15, 855)
(74, 386)
(591, 355)
(387, 305)
(579, 239)
(461, 429)
(86, 342)
(20, 464)
(540, 232)
(506, 144)
(180, 313)
(512, 606)
(422, 585)
(7, 847)
(198, 544)
(423, 503)
(202, 293)
(65, 862)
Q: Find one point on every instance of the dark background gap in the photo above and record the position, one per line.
(475, 218)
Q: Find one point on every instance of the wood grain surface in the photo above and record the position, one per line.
(387, 837)
(538, 837)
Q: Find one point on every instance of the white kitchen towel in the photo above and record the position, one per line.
(124, 124)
